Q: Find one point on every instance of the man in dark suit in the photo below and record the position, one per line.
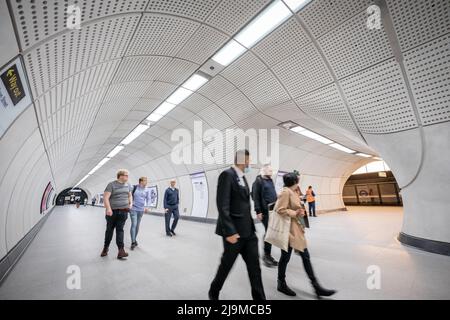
(235, 225)
(171, 201)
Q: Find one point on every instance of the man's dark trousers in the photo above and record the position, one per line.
(116, 221)
(248, 248)
(265, 221)
(176, 215)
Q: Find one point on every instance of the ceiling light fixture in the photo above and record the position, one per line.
(341, 148)
(264, 23)
(179, 95)
(360, 154)
(115, 151)
(140, 129)
(195, 82)
(230, 52)
(296, 5)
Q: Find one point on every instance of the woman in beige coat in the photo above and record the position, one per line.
(288, 203)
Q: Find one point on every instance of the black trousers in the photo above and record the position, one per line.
(173, 210)
(284, 260)
(116, 221)
(248, 249)
(265, 221)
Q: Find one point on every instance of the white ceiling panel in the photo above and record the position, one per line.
(379, 100)
(303, 72)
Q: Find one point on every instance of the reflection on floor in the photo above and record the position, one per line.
(342, 245)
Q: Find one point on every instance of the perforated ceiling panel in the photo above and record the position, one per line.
(161, 35)
(379, 100)
(37, 21)
(429, 73)
(353, 46)
(327, 104)
(419, 21)
(244, 69)
(202, 45)
(216, 117)
(322, 16)
(237, 105)
(216, 88)
(194, 9)
(231, 15)
(282, 43)
(303, 72)
(54, 61)
(265, 91)
(148, 68)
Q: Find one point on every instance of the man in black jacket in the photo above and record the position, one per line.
(235, 225)
(263, 194)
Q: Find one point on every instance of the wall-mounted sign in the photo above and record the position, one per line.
(45, 203)
(153, 190)
(14, 93)
(199, 195)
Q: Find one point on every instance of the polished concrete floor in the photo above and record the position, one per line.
(342, 246)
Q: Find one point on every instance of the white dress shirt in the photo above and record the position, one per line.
(240, 176)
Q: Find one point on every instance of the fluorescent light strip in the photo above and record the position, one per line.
(194, 82)
(311, 135)
(360, 154)
(341, 148)
(296, 5)
(140, 129)
(115, 151)
(179, 95)
(230, 52)
(264, 23)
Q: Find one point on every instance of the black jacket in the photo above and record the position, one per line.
(233, 204)
(263, 194)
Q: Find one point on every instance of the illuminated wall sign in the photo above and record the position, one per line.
(199, 195)
(14, 93)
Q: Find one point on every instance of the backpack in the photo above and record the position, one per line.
(134, 189)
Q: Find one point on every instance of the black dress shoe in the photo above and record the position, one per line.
(322, 292)
(168, 234)
(173, 232)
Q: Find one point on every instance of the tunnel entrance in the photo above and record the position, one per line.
(71, 196)
(372, 185)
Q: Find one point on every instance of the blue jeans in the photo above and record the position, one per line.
(312, 209)
(135, 217)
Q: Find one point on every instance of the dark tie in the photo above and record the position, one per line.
(246, 184)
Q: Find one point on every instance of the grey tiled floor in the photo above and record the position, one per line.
(342, 246)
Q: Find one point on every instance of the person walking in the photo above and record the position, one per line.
(93, 201)
(118, 201)
(264, 194)
(141, 196)
(236, 227)
(311, 199)
(171, 201)
(288, 204)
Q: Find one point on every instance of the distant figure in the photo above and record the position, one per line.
(141, 196)
(93, 201)
(77, 202)
(264, 194)
(85, 201)
(235, 225)
(311, 199)
(288, 205)
(118, 202)
(171, 201)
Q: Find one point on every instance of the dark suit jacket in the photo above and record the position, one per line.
(233, 204)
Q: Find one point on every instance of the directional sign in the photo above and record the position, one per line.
(13, 84)
(14, 94)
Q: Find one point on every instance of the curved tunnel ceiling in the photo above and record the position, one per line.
(322, 69)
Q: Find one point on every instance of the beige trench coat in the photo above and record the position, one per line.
(288, 203)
